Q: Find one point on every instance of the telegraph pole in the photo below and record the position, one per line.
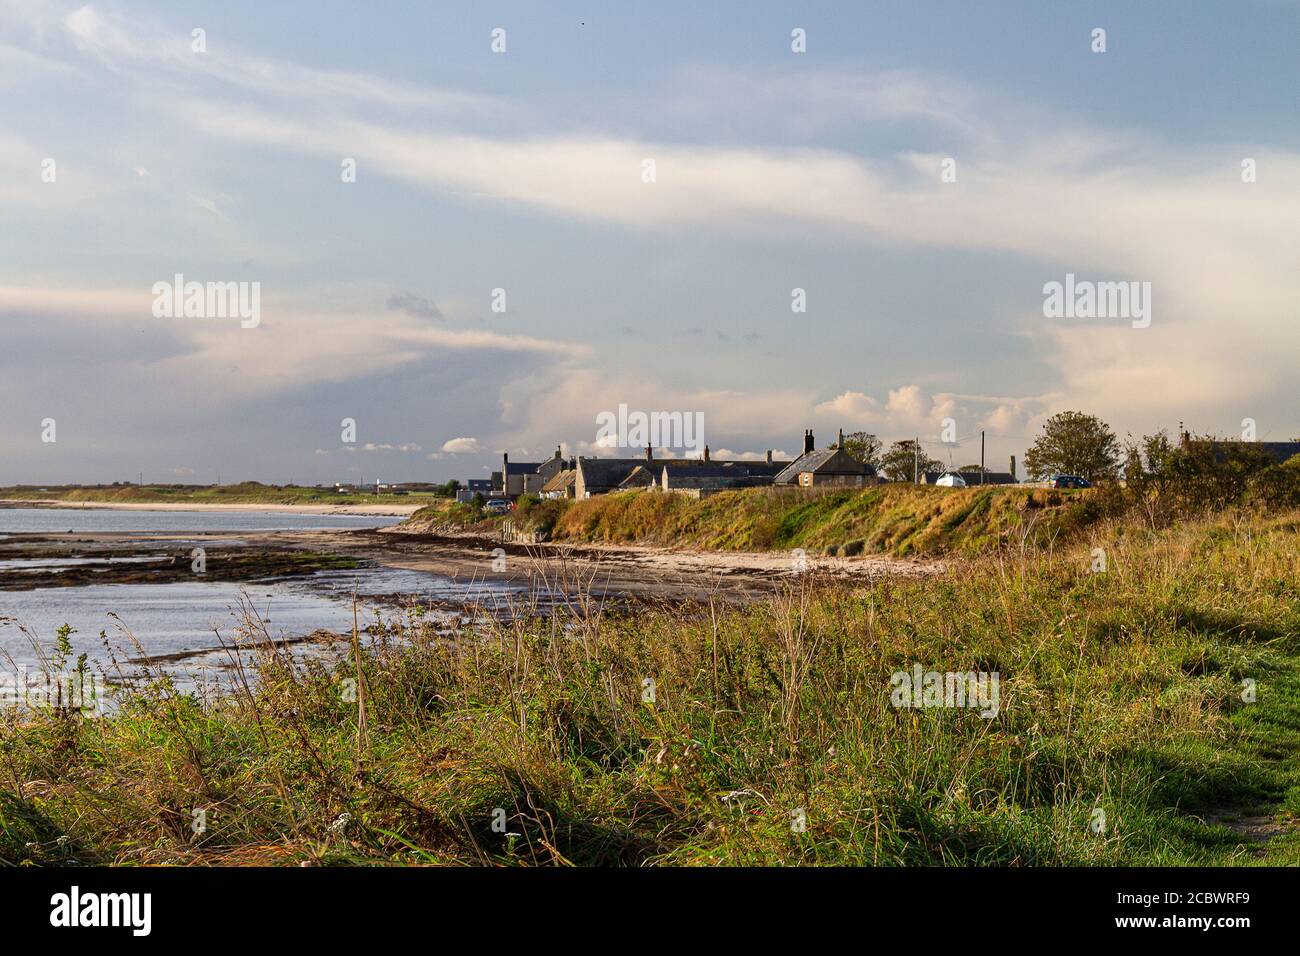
(981, 456)
(916, 461)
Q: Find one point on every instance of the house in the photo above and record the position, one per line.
(1281, 451)
(526, 477)
(711, 478)
(561, 484)
(708, 477)
(830, 466)
(598, 476)
(474, 486)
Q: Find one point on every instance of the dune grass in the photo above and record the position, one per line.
(899, 519)
(1122, 734)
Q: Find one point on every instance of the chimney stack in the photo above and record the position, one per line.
(1013, 466)
(706, 452)
(558, 456)
(839, 442)
(807, 440)
(649, 453)
(769, 456)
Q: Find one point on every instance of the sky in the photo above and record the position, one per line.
(919, 170)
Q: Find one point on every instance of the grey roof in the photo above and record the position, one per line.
(523, 467)
(607, 472)
(817, 461)
(726, 469)
(726, 480)
(560, 480)
(1281, 450)
(615, 472)
(639, 477)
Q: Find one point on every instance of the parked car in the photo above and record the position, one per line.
(1070, 481)
(950, 479)
(498, 506)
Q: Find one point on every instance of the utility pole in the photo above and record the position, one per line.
(981, 456)
(916, 460)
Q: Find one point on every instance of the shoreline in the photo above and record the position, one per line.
(395, 510)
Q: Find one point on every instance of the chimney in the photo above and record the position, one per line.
(769, 456)
(505, 473)
(649, 453)
(706, 452)
(807, 440)
(1013, 466)
(839, 442)
(558, 456)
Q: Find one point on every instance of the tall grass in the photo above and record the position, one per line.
(899, 519)
(696, 734)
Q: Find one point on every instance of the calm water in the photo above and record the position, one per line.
(59, 520)
(183, 616)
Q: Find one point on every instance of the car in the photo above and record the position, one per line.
(1070, 481)
(950, 479)
(498, 506)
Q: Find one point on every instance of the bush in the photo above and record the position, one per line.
(1277, 487)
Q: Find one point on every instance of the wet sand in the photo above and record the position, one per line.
(604, 570)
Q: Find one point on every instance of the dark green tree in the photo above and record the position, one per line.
(1073, 443)
(900, 462)
(862, 446)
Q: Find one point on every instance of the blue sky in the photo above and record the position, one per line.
(775, 170)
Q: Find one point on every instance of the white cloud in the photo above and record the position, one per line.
(461, 446)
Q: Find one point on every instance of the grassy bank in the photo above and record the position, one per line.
(899, 519)
(246, 493)
(1121, 735)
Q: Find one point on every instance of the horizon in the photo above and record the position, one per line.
(457, 250)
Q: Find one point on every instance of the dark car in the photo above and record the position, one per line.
(1070, 481)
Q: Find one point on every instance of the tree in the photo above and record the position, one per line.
(1073, 443)
(861, 446)
(900, 462)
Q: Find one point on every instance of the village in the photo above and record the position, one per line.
(702, 476)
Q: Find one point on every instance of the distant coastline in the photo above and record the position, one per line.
(400, 510)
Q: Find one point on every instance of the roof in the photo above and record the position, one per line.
(723, 469)
(1281, 450)
(522, 467)
(607, 472)
(638, 477)
(560, 481)
(990, 478)
(693, 480)
(632, 472)
(826, 461)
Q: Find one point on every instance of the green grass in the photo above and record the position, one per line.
(1120, 692)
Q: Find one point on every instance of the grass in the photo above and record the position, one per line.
(538, 742)
(249, 492)
(899, 519)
